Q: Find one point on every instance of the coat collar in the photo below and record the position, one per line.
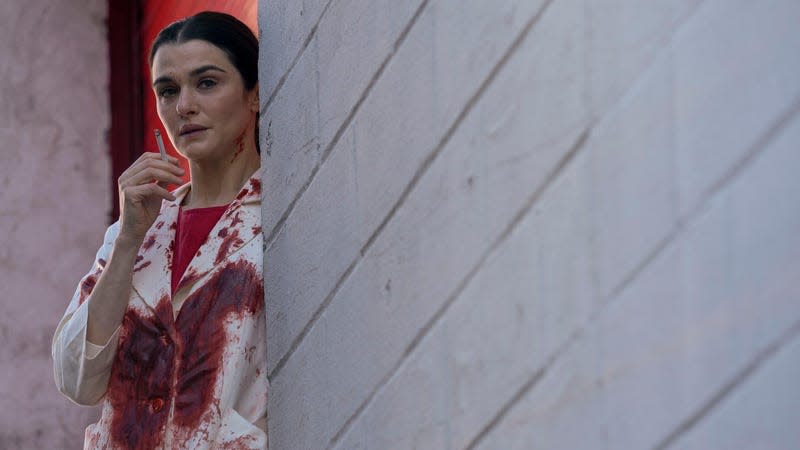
(239, 224)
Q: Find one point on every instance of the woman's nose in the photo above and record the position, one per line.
(185, 105)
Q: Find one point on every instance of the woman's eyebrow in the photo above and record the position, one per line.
(195, 72)
(205, 68)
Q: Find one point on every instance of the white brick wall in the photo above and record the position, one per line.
(54, 202)
(531, 224)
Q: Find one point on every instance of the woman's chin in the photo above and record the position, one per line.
(202, 155)
(195, 152)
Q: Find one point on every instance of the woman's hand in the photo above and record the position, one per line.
(141, 190)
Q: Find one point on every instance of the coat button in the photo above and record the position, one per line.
(157, 404)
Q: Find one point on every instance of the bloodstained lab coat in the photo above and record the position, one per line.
(182, 371)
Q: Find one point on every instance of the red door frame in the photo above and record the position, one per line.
(125, 88)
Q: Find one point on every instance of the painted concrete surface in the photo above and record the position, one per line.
(544, 224)
(55, 201)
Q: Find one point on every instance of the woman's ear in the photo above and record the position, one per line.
(254, 100)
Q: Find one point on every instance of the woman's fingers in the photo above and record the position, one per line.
(142, 188)
(156, 156)
(148, 175)
(139, 207)
(139, 194)
(146, 160)
(146, 192)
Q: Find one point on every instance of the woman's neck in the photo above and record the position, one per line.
(218, 183)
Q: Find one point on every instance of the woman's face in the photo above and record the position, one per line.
(201, 100)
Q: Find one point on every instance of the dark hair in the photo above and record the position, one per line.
(223, 31)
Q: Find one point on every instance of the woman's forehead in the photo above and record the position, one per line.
(181, 59)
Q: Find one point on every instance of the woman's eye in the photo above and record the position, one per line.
(167, 92)
(207, 83)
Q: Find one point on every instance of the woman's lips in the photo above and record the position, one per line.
(188, 130)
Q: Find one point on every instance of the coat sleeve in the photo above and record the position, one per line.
(81, 368)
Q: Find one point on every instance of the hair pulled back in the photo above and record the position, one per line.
(223, 31)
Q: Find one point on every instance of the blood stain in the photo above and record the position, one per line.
(235, 289)
(239, 147)
(256, 186)
(149, 242)
(152, 366)
(144, 264)
(188, 278)
(140, 380)
(87, 286)
(224, 247)
(236, 220)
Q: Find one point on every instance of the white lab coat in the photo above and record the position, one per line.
(182, 371)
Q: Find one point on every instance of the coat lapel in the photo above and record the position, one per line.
(239, 224)
(153, 269)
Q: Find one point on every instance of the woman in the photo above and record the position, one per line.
(168, 329)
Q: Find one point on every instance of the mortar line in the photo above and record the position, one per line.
(281, 223)
(462, 285)
(431, 322)
(468, 106)
(737, 380)
(732, 173)
(760, 145)
(345, 123)
(521, 214)
(677, 230)
(311, 33)
(415, 179)
(366, 246)
(526, 387)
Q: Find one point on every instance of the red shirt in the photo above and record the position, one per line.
(191, 231)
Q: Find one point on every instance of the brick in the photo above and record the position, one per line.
(467, 38)
(355, 37)
(571, 406)
(686, 326)
(736, 72)
(284, 28)
(526, 299)
(623, 38)
(762, 413)
(421, 255)
(395, 130)
(289, 137)
(318, 244)
(414, 412)
(632, 153)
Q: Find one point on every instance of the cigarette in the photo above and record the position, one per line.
(160, 143)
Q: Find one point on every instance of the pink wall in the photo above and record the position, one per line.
(54, 201)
